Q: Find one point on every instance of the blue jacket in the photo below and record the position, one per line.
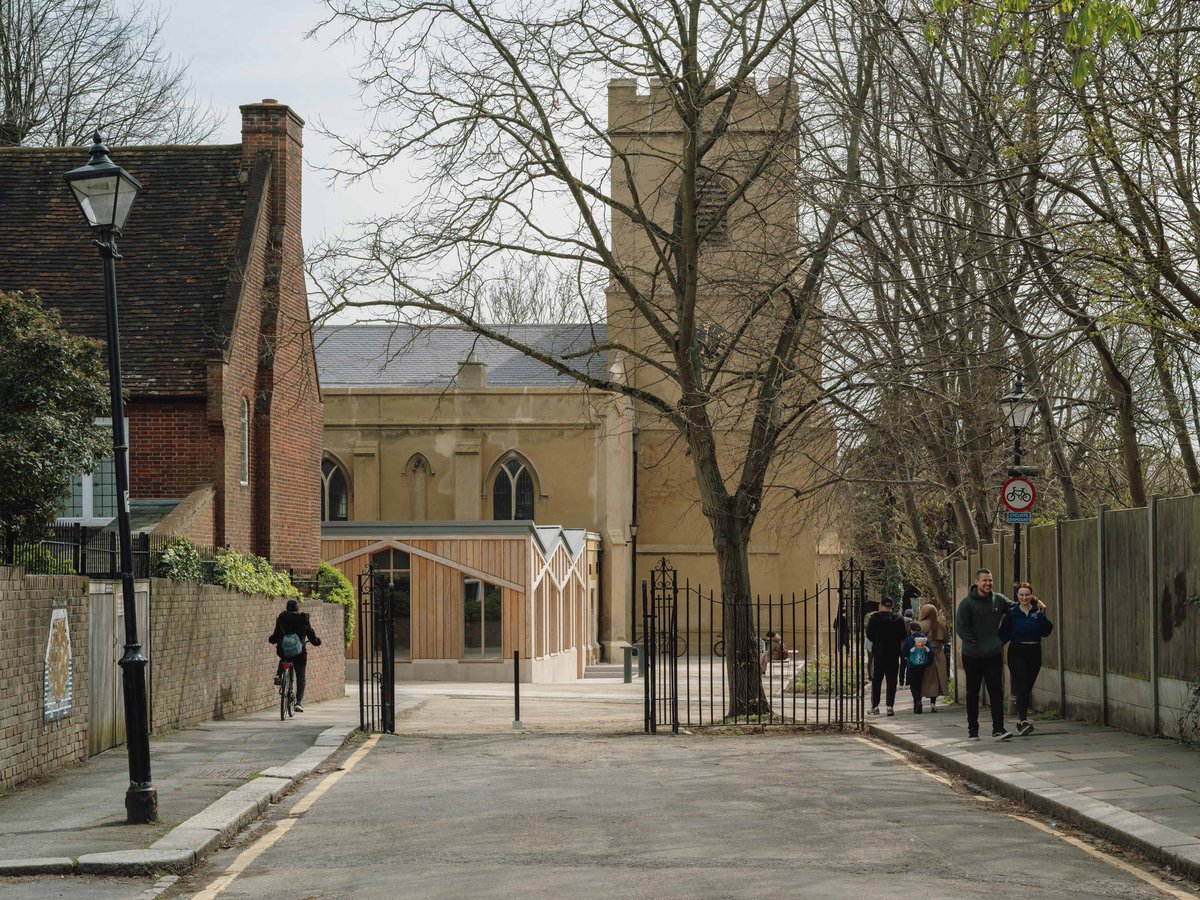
(1020, 628)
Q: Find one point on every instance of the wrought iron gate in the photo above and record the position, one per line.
(376, 653)
(795, 660)
(660, 631)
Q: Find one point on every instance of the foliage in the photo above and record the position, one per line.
(248, 574)
(68, 66)
(334, 587)
(806, 680)
(53, 387)
(38, 560)
(178, 559)
(1083, 26)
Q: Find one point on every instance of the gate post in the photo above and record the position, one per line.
(648, 642)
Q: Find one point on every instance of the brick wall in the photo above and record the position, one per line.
(29, 745)
(171, 448)
(210, 658)
(288, 466)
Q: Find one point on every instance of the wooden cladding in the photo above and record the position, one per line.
(544, 601)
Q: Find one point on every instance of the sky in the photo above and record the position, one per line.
(242, 52)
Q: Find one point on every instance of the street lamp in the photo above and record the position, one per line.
(1018, 407)
(105, 193)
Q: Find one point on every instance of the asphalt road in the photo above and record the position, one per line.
(596, 815)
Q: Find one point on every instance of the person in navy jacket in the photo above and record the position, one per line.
(1023, 627)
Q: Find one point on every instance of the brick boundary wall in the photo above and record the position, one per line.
(210, 658)
(29, 745)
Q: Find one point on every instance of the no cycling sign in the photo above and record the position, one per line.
(1018, 495)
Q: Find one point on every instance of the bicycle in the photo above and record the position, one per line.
(287, 692)
(664, 645)
(1018, 494)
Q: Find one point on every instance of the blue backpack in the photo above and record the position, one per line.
(918, 656)
(291, 645)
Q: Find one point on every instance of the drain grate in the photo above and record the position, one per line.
(218, 772)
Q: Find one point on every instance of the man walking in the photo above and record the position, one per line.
(977, 622)
(886, 632)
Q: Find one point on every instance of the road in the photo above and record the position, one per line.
(454, 808)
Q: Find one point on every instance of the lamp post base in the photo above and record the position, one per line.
(141, 803)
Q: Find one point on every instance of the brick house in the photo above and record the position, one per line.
(224, 403)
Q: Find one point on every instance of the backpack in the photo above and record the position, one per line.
(291, 645)
(918, 656)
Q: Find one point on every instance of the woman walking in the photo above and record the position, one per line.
(933, 626)
(1022, 629)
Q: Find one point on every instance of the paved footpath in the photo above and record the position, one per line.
(1136, 790)
(211, 779)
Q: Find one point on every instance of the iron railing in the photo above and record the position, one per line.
(796, 659)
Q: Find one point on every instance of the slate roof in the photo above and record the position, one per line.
(178, 247)
(398, 356)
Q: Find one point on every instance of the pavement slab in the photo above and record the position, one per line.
(211, 782)
(1139, 790)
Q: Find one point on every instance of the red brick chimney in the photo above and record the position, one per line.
(273, 127)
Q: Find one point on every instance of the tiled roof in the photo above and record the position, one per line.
(398, 356)
(178, 249)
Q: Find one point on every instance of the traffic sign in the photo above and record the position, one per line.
(1018, 494)
(1023, 518)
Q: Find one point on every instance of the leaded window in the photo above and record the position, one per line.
(512, 492)
(335, 492)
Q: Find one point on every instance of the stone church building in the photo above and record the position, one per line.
(466, 470)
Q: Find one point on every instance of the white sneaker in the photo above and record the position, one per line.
(873, 711)
(890, 712)
(298, 708)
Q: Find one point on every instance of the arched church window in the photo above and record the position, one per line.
(335, 492)
(512, 492)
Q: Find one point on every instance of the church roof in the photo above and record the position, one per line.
(401, 356)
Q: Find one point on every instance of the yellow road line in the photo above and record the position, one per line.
(908, 762)
(265, 843)
(1153, 880)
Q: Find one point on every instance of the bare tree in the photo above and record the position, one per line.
(68, 67)
(713, 295)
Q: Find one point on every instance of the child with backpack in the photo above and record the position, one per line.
(919, 656)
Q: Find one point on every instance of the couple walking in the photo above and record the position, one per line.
(985, 622)
(919, 643)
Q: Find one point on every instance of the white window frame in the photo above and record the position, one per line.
(245, 432)
(87, 489)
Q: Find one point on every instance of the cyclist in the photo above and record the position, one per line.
(292, 621)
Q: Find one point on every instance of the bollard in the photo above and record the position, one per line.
(517, 690)
(640, 649)
(628, 663)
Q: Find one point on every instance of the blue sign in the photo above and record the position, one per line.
(1023, 518)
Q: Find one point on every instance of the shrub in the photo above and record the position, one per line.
(38, 560)
(334, 587)
(177, 559)
(248, 574)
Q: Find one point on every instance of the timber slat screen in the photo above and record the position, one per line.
(802, 664)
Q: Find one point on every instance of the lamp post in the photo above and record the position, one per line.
(1018, 407)
(633, 530)
(105, 193)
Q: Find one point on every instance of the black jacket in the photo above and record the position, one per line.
(886, 631)
(294, 623)
(977, 623)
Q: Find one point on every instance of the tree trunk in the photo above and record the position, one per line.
(1175, 412)
(921, 539)
(731, 540)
